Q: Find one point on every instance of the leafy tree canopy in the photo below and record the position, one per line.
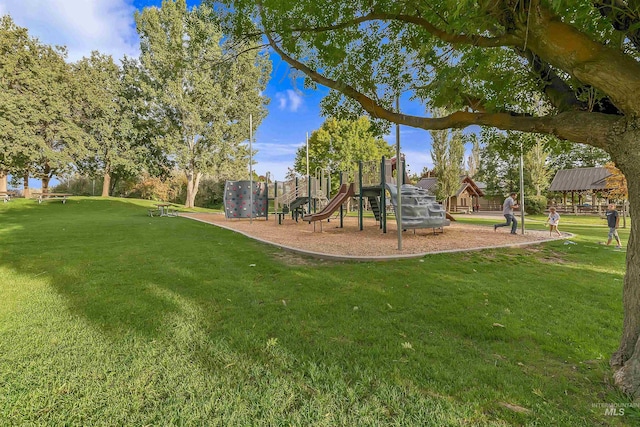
(339, 145)
(107, 123)
(36, 123)
(205, 87)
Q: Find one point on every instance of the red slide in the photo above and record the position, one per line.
(346, 191)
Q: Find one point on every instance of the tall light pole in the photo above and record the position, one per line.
(307, 142)
(250, 169)
(308, 180)
(398, 179)
(521, 190)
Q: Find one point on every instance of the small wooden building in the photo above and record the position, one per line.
(466, 199)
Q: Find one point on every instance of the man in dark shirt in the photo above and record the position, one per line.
(507, 210)
(613, 221)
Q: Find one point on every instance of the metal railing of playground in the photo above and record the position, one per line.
(294, 188)
(371, 173)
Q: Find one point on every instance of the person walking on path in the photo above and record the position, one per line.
(507, 210)
(553, 220)
(613, 221)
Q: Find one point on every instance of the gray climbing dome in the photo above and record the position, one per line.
(419, 208)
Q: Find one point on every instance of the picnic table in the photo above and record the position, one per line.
(7, 195)
(52, 196)
(164, 209)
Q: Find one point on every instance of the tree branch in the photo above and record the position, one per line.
(622, 18)
(565, 47)
(466, 39)
(576, 126)
(558, 92)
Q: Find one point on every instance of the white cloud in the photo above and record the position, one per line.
(295, 100)
(282, 101)
(274, 149)
(289, 100)
(417, 160)
(275, 157)
(80, 25)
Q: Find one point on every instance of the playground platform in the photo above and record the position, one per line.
(371, 244)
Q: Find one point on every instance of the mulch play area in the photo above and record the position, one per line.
(371, 243)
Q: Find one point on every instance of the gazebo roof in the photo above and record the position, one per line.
(581, 179)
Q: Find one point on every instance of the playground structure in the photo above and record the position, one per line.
(309, 198)
(290, 196)
(346, 191)
(301, 195)
(245, 199)
(419, 209)
(373, 181)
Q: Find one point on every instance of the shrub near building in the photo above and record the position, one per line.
(535, 205)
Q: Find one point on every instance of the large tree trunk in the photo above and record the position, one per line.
(3, 181)
(45, 184)
(193, 181)
(626, 360)
(46, 178)
(106, 184)
(26, 191)
(113, 185)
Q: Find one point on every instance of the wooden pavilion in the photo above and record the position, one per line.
(584, 182)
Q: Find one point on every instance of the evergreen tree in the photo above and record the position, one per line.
(447, 152)
(473, 162)
(536, 164)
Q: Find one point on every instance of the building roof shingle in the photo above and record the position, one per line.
(581, 179)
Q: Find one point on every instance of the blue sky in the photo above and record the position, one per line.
(108, 26)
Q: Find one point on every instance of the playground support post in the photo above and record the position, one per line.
(341, 206)
(275, 196)
(268, 175)
(521, 191)
(308, 179)
(308, 195)
(383, 195)
(360, 217)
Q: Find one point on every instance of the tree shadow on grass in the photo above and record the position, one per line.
(208, 291)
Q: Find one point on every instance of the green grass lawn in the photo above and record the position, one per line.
(110, 317)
